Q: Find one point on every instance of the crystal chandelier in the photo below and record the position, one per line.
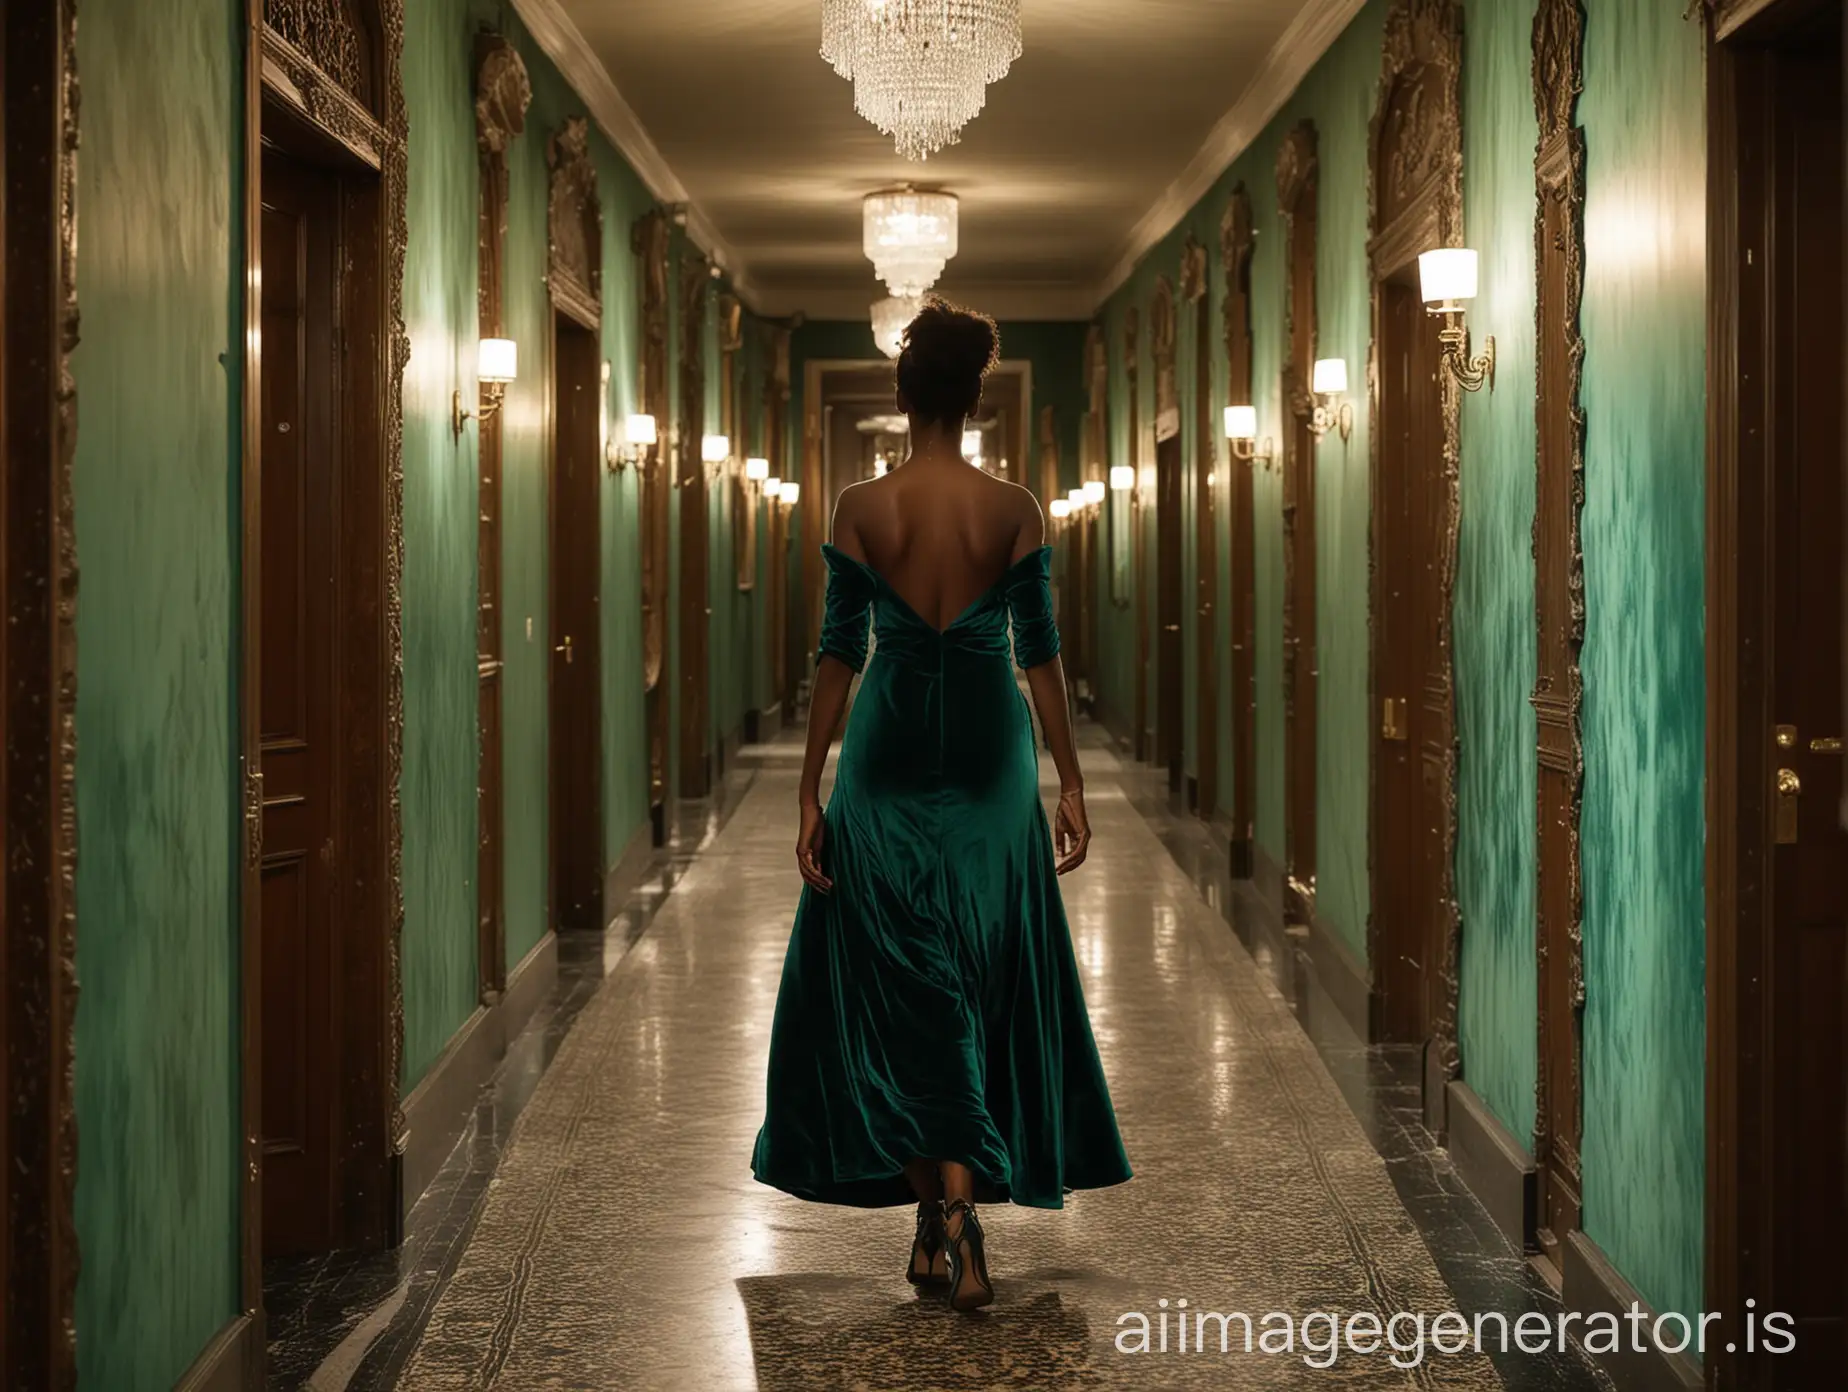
(908, 236)
(891, 317)
(920, 68)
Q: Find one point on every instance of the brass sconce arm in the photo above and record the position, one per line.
(1471, 374)
(492, 394)
(1248, 451)
(1323, 412)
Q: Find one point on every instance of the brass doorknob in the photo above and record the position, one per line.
(1788, 784)
(565, 648)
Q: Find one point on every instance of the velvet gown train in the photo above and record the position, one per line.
(930, 1004)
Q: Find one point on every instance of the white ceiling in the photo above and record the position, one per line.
(1116, 118)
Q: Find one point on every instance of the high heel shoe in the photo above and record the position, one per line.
(968, 1256)
(928, 1243)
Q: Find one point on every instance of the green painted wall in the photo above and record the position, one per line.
(1643, 541)
(158, 380)
(1643, 660)
(1495, 641)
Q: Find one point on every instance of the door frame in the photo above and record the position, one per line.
(1137, 598)
(1168, 738)
(1203, 787)
(695, 587)
(1298, 192)
(38, 657)
(1236, 240)
(1559, 178)
(649, 238)
(293, 79)
(1739, 767)
(574, 291)
(1426, 212)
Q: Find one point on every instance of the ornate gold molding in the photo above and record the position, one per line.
(649, 240)
(502, 93)
(1193, 269)
(1162, 349)
(574, 226)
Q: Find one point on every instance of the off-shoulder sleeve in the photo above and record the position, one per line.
(1029, 605)
(845, 618)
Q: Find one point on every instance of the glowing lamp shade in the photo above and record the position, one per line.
(1122, 478)
(757, 470)
(1093, 490)
(1449, 273)
(714, 449)
(790, 493)
(772, 486)
(497, 360)
(1241, 422)
(1330, 377)
(639, 430)
(1059, 508)
(971, 443)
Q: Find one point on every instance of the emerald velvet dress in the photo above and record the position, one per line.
(930, 1004)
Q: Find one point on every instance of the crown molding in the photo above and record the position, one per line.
(1298, 49)
(562, 41)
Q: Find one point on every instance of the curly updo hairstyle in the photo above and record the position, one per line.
(947, 352)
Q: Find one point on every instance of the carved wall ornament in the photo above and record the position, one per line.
(1236, 233)
(1298, 183)
(731, 323)
(1415, 202)
(575, 224)
(1162, 350)
(1193, 269)
(502, 94)
(338, 36)
(1296, 165)
(649, 240)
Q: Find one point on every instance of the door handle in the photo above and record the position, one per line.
(565, 648)
(1826, 746)
(1170, 628)
(1789, 788)
(1392, 718)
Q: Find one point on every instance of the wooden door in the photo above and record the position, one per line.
(1411, 728)
(1559, 616)
(302, 999)
(1241, 622)
(576, 690)
(1809, 853)
(1170, 741)
(1206, 562)
(1297, 194)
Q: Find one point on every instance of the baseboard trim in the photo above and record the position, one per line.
(1493, 1165)
(1591, 1285)
(437, 1110)
(1344, 979)
(1267, 878)
(631, 868)
(231, 1362)
(529, 985)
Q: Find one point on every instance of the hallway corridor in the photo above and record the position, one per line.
(624, 1244)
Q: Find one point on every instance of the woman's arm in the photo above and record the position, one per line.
(827, 699)
(1071, 833)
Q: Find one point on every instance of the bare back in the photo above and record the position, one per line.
(939, 531)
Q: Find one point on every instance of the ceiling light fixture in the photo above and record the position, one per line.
(908, 236)
(920, 68)
(891, 317)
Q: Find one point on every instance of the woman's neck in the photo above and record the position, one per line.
(936, 444)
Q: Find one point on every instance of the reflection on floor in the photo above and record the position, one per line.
(622, 1243)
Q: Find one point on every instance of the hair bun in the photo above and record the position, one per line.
(947, 352)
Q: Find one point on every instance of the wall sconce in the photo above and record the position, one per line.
(1094, 491)
(1447, 277)
(496, 364)
(1242, 434)
(1328, 382)
(1075, 500)
(773, 486)
(757, 470)
(790, 493)
(714, 450)
(638, 437)
(1060, 508)
(1122, 478)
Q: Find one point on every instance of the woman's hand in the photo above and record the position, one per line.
(808, 848)
(1071, 831)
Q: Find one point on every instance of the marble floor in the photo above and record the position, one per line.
(600, 1227)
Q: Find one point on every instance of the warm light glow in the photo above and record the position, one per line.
(1146, 477)
(1094, 490)
(772, 486)
(879, 467)
(1241, 422)
(790, 493)
(891, 317)
(971, 443)
(757, 470)
(908, 235)
(497, 360)
(1075, 498)
(1330, 377)
(1060, 509)
(639, 430)
(714, 449)
(1122, 478)
(1447, 274)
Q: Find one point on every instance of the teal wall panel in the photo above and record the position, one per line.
(1495, 641)
(441, 744)
(158, 374)
(1644, 718)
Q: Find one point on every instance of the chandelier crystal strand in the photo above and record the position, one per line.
(891, 317)
(921, 68)
(908, 236)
